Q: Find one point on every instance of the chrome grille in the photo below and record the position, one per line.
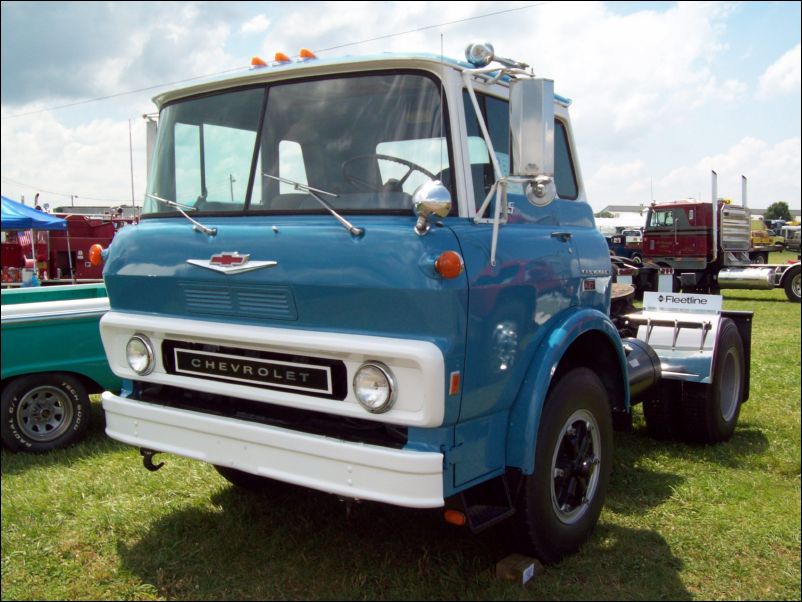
(269, 302)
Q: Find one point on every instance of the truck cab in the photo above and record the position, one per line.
(377, 277)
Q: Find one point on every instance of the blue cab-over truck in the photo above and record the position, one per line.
(379, 277)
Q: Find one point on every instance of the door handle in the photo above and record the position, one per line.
(563, 236)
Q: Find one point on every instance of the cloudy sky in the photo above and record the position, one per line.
(662, 92)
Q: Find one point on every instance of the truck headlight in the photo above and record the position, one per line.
(139, 353)
(374, 387)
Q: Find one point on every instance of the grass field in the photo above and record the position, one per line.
(681, 522)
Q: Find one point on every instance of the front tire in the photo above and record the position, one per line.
(560, 502)
(42, 412)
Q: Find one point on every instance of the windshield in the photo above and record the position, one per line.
(371, 140)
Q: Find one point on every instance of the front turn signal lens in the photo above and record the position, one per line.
(96, 254)
(449, 264)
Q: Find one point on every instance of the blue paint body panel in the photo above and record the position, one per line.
(381, 284)
(504, 328)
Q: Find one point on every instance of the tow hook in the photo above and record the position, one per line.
(147, 459)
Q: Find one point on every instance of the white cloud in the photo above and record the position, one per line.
(91, 160)
(773, 172)
(637, 79)
(258, 24)
(783, 76)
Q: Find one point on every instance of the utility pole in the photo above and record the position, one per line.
(131, 155)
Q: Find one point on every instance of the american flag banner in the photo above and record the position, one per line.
(25, 243)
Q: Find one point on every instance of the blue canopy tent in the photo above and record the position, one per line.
(16, 216)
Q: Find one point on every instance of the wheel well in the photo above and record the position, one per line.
(90, 385)
(789, 273)
(595, 351)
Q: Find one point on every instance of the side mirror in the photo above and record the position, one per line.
(430, 198)
(532, 137)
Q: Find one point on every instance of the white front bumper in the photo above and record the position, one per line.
(404, 478)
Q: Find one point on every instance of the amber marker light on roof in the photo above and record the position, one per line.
(449, 264)
(281, 58)
(258, 62)
(307, 54)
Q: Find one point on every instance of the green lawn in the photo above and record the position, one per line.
(680, 522)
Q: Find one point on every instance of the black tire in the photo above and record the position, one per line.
(662, 412)
(42, 412)
(792, 284)
(244, 480)
(710, 412)
(559, 504)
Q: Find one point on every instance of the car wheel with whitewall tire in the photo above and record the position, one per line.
(42, 412)
(559, 504)
(710, 412)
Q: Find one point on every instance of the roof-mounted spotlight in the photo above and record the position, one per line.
(481, 55)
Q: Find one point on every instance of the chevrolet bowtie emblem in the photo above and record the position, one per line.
(231, 263)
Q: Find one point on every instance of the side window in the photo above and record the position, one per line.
(681, 219)
(564, 176)
(496, 113)
(661, 219)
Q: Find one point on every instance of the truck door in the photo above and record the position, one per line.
(673, 232)
(535, 277)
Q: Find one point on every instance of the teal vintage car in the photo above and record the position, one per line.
(52, 360)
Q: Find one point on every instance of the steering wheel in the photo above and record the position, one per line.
(364, 185)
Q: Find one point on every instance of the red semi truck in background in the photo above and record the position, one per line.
(60, 256)
(708, 245)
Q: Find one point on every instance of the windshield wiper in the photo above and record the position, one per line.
(312, 191)
(180, 207)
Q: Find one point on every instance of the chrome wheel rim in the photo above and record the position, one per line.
(730, 385)
(575, 467)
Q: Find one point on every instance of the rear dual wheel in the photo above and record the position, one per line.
(699, 412)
